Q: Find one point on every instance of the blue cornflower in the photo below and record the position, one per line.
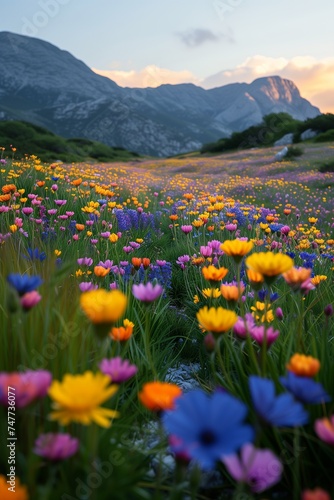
(24, 283)
(305, 389)
(276, 227)
(282, 410)
(35, 254)
(208, 427)
(102, 202)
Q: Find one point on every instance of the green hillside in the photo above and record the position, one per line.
(32, 139)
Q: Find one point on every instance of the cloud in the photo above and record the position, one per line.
(196, 37)
(314, 78)
(151, 76)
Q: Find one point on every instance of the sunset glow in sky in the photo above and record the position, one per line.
(206, 42)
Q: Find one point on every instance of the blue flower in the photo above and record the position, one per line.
(35, 254)
(24, 283)
(282, 410)
(305, 389)
(208, 427)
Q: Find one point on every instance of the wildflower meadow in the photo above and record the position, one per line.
(167, 328)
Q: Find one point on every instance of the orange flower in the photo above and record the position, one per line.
(173, 217)
(8, 188)
(146, 262)
(40, 183)
(159, 396)
(255, 279)
(212, 274)
(305, 366)
(80, 227)
(232, 292)
(296, 276)
(136, 262)
(76, 182)
(4, 197)
(197, 261)
(101, 271)
(20, 491)
(122, 333)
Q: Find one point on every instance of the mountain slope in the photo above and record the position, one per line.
(49, 87)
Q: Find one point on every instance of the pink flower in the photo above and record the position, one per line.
(260, 469)
(85, 261)
(260, 333)
(87, 286)
(27, 386)
(60, 203)
(56, 446)
(30, 299)
(243, 326)
(117, 369)
(231, 227)
(324, 428)
(186, 229)
(147, 293)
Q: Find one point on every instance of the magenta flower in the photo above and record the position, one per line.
(260, 469)
(27, 210)
(56, 446)
(52, 211)
(186, 229)
(243, 326)
(206, 251)
(108, 264)
(30, 299)
(117, 369)
(231, 227)
(324, 428)
(147, 293)
(26, 386)
(260, 333)
(60, 203)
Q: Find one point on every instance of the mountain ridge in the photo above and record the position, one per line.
(48, 86)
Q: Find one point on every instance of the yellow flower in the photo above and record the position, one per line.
(211, 293)
(236, 248)
(269, 264)
(113, 238)
(262, 313)
(316, 280)
(103, 307)
(196, 299)
(13, 228)
(304, 366)
(212, 274)
(57, 253)
(78, 398)
(6, 494)
(218, 320)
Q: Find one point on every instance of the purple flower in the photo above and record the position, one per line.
(60, 202)
(106, 234)
(244, 326)
(117, 369)
(85, 261)
(206, 251)
(186, 229)
(27, 210)
(56, 446)
(147, 293)
(108, 264)
(87, 286)
(260, 469)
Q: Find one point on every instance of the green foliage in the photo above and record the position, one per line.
(31, 139)
(293, 152)
(272, 128)
(327, 167)
(325, 136)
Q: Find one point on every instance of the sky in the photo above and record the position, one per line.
(145, 43)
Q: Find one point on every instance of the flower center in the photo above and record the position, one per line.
(207, 437)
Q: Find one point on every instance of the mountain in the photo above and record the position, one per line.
(44, 85)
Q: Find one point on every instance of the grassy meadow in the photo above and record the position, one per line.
(116, 277)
